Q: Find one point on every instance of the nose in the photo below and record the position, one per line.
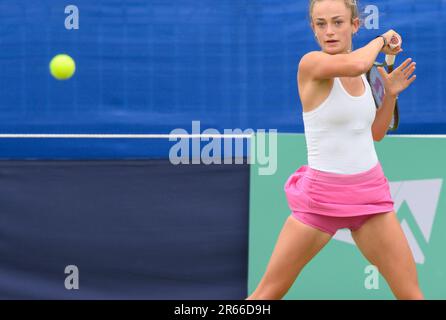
(329, 30)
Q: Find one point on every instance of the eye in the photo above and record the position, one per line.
(338, 22)
(320, 24)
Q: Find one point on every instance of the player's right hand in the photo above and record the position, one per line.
(387, 49)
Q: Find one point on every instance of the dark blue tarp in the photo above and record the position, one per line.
(134, 229)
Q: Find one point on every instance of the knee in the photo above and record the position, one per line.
(414, 294)
(265, 295)
(268, 292)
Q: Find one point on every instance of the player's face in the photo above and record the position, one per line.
(331, 22)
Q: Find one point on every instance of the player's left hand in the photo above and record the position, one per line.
(399, 79)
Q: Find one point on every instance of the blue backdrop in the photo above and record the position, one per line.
(149, 66)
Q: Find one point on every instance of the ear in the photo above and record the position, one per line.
(356, 24)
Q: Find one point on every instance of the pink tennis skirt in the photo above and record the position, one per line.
(338, 195)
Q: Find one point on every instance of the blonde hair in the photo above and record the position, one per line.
(350, 4)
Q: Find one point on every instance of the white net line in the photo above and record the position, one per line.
(121, 136)
(166, 136)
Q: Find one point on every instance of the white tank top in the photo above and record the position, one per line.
(338, 133)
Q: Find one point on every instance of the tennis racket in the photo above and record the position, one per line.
(377, 83)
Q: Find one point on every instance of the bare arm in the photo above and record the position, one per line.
(318, 65)
(383, 117)
(395, 83)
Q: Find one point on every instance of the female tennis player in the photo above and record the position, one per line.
(343, 185)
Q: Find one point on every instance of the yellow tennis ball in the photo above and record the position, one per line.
(62, 67)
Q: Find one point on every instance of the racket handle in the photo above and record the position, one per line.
(390, 59)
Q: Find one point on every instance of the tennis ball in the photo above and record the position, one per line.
(62, 67)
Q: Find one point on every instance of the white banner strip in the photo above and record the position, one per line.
(121, 136)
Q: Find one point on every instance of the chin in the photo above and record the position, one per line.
(333, 50)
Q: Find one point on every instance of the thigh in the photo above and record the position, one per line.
(296, 245)
(383, 242)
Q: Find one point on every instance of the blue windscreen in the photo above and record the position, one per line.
(154, 66)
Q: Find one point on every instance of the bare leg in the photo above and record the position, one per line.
(383, 243)
(296, 246)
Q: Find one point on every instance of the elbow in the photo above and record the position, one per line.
(362, 67)
(377, 138)
(357, 68)
(378, 133)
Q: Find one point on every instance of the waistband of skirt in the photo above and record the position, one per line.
(338, 178)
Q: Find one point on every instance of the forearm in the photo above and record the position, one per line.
(383, 117)
(368, 53)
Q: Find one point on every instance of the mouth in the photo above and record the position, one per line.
(331, 41)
